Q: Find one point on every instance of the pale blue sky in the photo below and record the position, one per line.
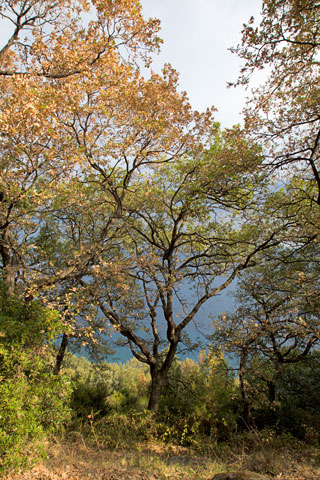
(197, 35)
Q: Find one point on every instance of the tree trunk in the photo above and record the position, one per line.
(271, 393)
(243, 387)
(10, 263)
(157, 382)
(61, 353)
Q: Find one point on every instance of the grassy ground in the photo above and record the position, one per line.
(77, 459)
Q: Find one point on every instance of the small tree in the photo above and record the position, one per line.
(276, 323)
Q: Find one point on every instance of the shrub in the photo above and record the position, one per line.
(286, 398)
(125, 430)
(33, 402)
(199, 400)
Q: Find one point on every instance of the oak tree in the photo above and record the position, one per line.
(188, 234)
(276, 319)
(284, 111)
(76, 111)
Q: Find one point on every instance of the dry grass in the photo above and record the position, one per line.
(77, 460)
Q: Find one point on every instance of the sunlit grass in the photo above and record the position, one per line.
(78, 458)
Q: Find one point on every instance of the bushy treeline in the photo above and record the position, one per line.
(199, 399)
(202, 401)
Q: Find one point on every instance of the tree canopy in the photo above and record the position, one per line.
(124, 209)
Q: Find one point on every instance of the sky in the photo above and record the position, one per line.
(197, 35)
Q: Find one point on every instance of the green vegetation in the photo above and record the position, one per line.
(201, 405)
(33, 402)
(124, 211)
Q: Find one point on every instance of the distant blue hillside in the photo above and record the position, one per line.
(197, 330)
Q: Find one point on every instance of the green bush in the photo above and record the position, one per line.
(125, 430)
(198, 401)
(91, 385)
(89, 399)
(33, 402)
(130, 384)
(99, 389)
(285, 398)
(298, 392)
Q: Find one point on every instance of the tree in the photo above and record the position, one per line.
(276, 320)
(283, 113)
(78, 124)
(298, 394)
(60, 42)
(185, 242)
(35, 89)
(198, 400)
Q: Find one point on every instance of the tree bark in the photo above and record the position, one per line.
(10, 263)
(157, 382)
(245, 400)
(61, 353)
